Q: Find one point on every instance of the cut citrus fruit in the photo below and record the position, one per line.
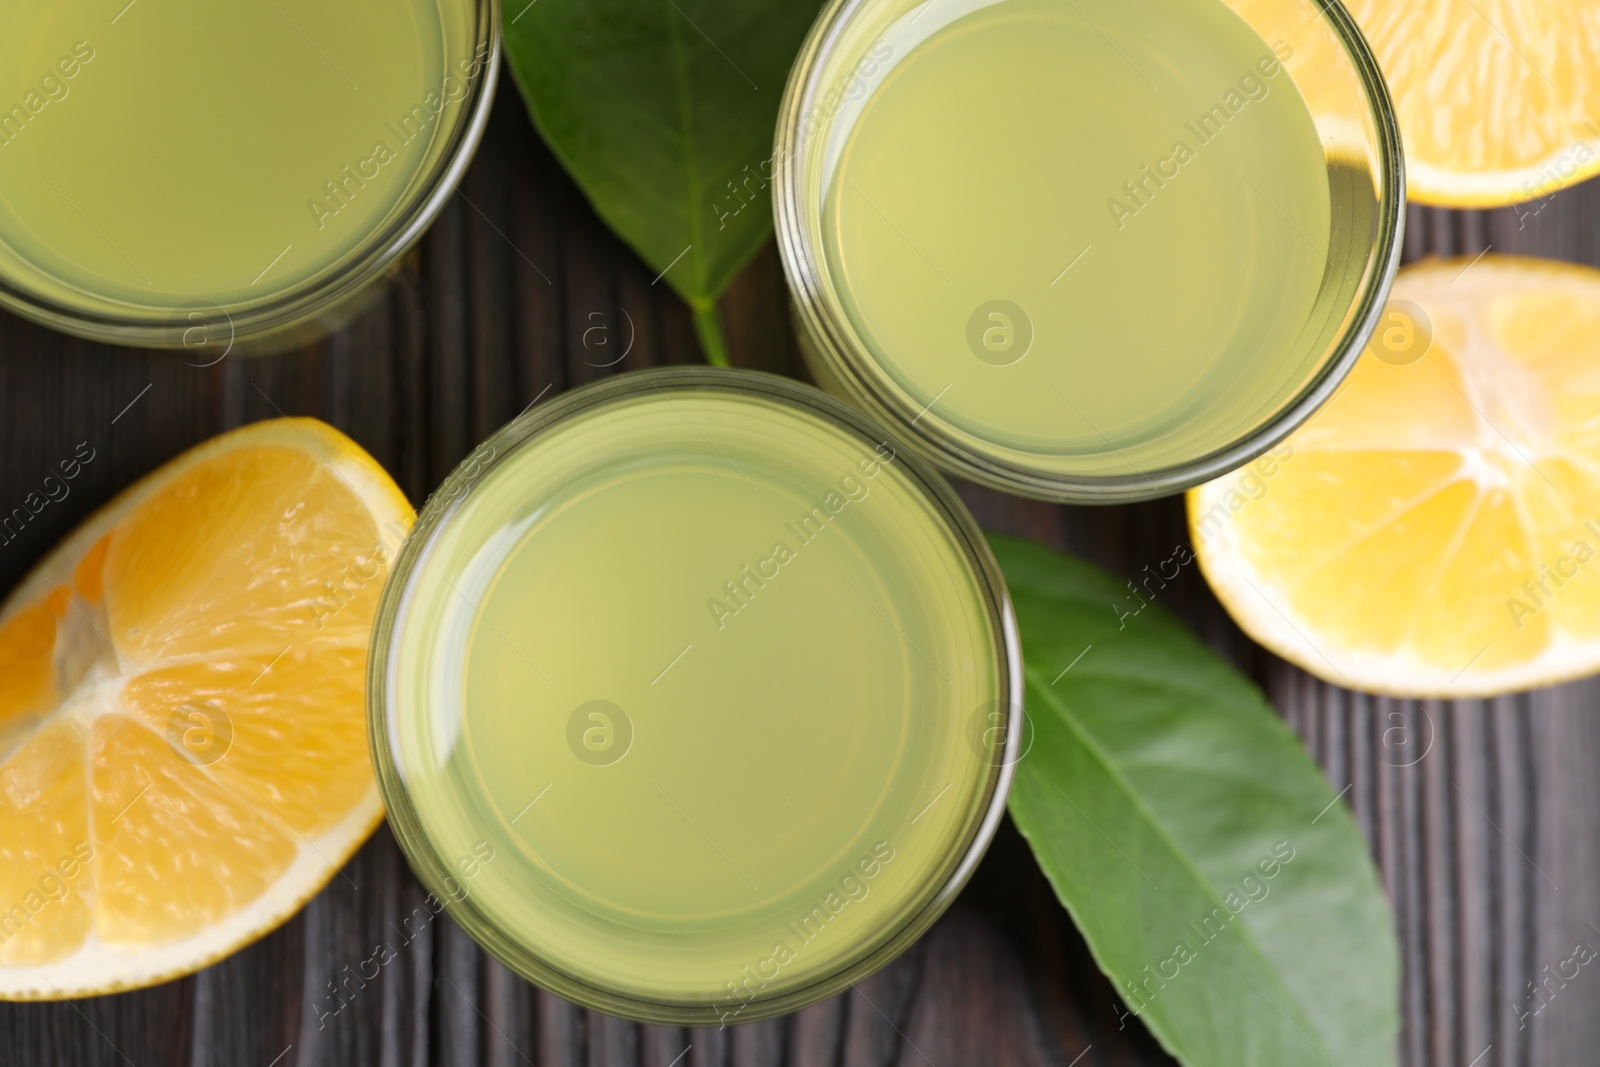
(183, 753)
(1434, 530)
(1498, 100)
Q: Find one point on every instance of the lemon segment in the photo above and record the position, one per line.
(1498, 100)
(183, 756)
(1433, 531)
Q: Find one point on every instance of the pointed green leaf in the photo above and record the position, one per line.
(663, 111)
(1216, 877)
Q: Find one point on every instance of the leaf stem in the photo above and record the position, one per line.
(708, 325)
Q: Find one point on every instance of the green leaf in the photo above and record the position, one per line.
(1159, 791)
(663, 111)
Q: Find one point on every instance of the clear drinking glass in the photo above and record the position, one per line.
(693, 699)
(1045, 294)
(183, 175)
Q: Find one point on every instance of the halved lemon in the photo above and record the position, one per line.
(1435, 529)
(183, 754)
(1498, 100)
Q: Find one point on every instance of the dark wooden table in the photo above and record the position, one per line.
(1484, 816)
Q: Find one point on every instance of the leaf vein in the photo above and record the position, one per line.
(1098, 754)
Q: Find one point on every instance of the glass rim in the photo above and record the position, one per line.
(851, 366)
(364, 266)
(432, 867)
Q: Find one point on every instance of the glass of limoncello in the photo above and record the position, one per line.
(694, 699)
(189, 174)
(1087, 250)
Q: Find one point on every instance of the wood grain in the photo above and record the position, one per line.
(1482, 815)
